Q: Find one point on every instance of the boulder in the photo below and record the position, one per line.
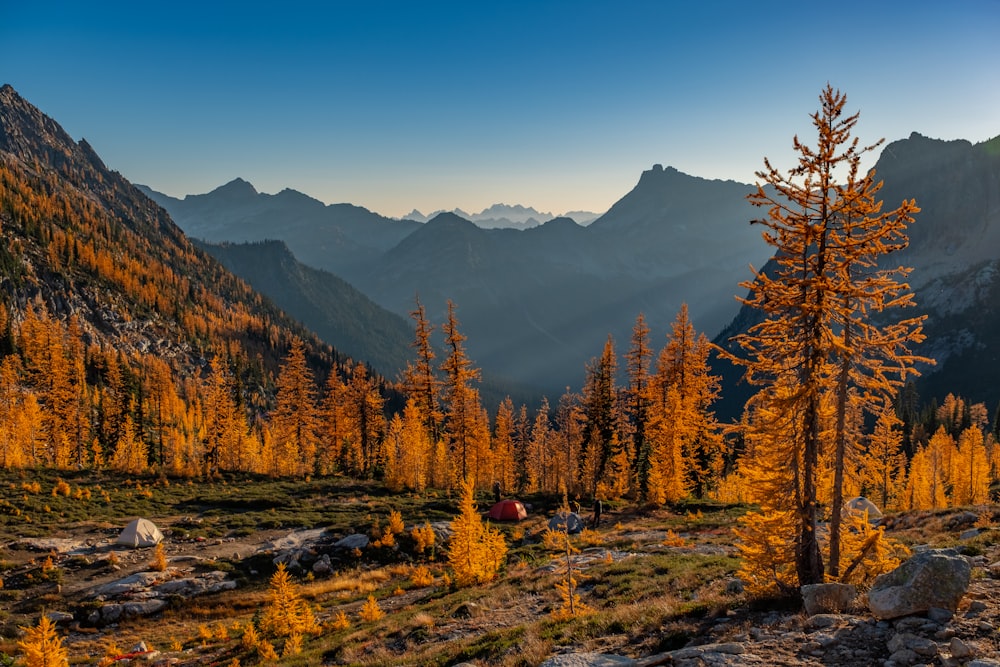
(588, 660)
(354, 541)
(933, 578)
(832, 598)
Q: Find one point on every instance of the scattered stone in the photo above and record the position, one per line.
(60, 617)
(323, 565)
(467, 610)
(735, 586)
(903, 656)
(966, 518)
(827, 598)
(959, 649)
(976, 607)
(969, 534)
(355, 541)
(823, 621)
(588, 660)
(934, 578)
(939, 615)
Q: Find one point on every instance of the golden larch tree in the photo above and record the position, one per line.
(816, 338)
(462, 407)
(971, 481)
(294, 422)
(42, 646)
(476, 552)
(883, 463)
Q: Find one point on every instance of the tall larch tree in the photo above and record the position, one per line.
(505, 459)
(365, 414)
(539, 459)
(815, 337)
(883, 463)
(637, 361)
(971, 481)
(461, 400)
(601, 411)
(332, 428)
(568, 442)
(294, 422)
(419, 378)
(926, 486)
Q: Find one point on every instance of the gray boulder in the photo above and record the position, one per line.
(933, 578)
(569, 522)
(588, 660)
(832, 598)
(354, 541)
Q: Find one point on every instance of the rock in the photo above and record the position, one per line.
(939, 615)
(690, 652)
(59, 616)
(976, 607)
(128, 585)
(588, 660)
(323, 565)
(467, 610)
(959, 649)
(934, 578)
(827, 598)
(962, 519)
(968, 534)
(903, 656)
(355, 541)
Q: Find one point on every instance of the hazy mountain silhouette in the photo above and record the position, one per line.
(338, 237)
(536, 304)
(506, 216)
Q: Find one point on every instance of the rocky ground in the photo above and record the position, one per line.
(103, 585)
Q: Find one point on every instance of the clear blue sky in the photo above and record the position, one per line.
(556, 105)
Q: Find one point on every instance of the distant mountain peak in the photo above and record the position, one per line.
(236, 188)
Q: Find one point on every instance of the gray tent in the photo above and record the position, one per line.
(571, 522)
(140, 533)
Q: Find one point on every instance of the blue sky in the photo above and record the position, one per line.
(431, 105)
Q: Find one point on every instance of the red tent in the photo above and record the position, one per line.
(508, 510)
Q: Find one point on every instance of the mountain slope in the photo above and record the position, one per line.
(330, 307)
(82, 245)
(954, 254)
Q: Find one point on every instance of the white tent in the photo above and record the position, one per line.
(859, 505)
(140, 533)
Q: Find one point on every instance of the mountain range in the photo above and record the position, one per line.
(506, 216)
(536, 304)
